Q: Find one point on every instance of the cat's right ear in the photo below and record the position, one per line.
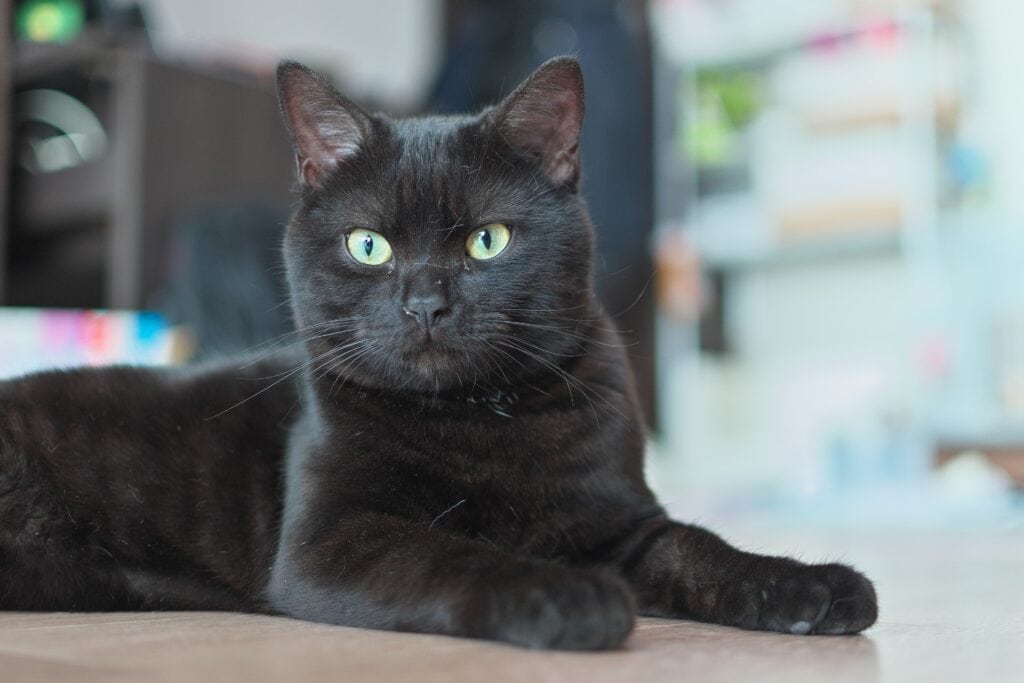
(325, 128)
(543, 119)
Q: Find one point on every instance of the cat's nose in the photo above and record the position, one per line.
(426, 310)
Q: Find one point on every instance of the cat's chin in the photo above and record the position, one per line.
(430, 369)
(433, 368)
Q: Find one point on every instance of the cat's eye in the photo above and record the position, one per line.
(488, 241)
(369, 247)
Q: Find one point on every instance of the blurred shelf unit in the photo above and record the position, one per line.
(111, 145)
(829, 135)
(837, 249)
(818, 163)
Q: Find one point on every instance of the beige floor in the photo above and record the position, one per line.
(952, 609)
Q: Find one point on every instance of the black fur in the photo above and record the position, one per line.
(478, 474)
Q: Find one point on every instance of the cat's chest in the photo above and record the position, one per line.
(532, 482)
(475, 434)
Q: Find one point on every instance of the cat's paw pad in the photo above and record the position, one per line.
(573, 611)
(829, 599)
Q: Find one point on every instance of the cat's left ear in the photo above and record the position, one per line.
(543, 118)
(326, 129)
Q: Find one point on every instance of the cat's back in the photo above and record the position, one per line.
(151, 471)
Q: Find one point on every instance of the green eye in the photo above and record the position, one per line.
(488, 241)
(369, 247)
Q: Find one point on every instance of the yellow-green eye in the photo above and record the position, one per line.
(488, 241)
(369, 247)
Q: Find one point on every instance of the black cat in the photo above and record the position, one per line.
(457, 450)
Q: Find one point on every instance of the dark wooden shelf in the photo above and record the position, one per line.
(182, 136)
(35, 61)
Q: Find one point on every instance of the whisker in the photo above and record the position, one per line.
(270, 386)
(570, 380)
(567, 333)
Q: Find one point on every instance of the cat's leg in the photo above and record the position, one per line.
(684, 571)
(376, 571)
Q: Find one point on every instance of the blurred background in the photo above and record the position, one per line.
(810, 215)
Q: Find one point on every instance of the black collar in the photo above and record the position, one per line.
(499, 402)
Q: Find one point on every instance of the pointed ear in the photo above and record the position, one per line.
(326, 129)
(543, 118)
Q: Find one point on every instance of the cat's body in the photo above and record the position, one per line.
(116, 492)
(458, 450)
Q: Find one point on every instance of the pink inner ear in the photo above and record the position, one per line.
(310, 173)
(326, 129)
(324, 139)
(565, 166)
(544, 117)
(321, 151)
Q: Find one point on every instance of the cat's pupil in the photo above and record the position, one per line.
(485, 237)
(368, 245)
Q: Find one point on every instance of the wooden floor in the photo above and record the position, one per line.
(952, 608)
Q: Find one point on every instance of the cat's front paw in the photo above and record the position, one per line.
(571, 610)
(789, 597)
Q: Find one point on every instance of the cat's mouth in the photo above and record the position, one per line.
(431, 342)
(436, 365)
(430, 351)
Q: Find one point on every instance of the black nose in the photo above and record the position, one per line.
(426, 310)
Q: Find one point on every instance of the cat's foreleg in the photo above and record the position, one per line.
(684, 571)
(378, 571)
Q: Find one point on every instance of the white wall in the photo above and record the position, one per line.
(384, 49)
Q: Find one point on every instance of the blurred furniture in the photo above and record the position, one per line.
(179, 136)
(814, 158)
(5, 62)
(227, 284)
(1003, 450)
(825, 144)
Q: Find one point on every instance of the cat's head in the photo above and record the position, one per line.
(439, 254)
